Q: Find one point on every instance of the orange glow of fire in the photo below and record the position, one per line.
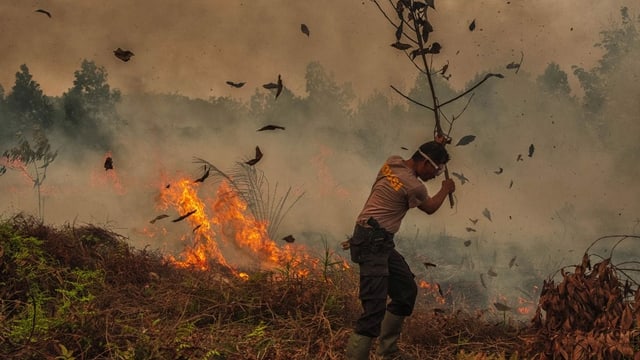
(21, 167)
(243, 276)
(328, 184)
(247, 233)
(433, 289)
(251, 235)
(182, 195)
(230, 223)
(525, 307)
(17, 165)
(151, 232)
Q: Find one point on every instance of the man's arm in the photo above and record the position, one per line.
(432, 204)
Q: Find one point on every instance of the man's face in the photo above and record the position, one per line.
(428, 169)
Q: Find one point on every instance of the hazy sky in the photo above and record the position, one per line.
(192, 47)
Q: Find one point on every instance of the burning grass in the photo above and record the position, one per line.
(81, 292)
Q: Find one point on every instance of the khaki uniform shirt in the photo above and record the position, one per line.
(396, 190)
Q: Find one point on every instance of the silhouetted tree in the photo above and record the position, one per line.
(554, 80)
(618, 74)
(326, 98)
(229, 111)
(27, 105)
(90, 107)
(286, 111)
(5, 132)
(594, 93)
(377, 124)
(422, 90)
(617, 43)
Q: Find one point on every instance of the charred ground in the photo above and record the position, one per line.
(82, 292)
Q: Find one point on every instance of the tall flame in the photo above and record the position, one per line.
(183, 196)
(246, 232)
(236, 229)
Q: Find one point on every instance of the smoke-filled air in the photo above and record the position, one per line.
(149, 118)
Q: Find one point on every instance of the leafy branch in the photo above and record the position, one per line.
(37, 154)
(412, 36)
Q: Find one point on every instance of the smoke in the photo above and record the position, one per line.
(192, 48)
(579, 184)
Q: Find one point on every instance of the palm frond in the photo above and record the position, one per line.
(254, 189)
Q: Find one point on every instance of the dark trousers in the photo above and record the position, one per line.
(397, 282)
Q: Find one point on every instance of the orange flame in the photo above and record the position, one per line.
(247, 232)
(183, 196)
(525, 306)
(236, 229)
(435, 290)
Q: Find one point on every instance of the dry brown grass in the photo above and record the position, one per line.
(81, 292)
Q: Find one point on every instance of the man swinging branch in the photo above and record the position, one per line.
(384, 274)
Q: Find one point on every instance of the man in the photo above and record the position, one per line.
(383, 271)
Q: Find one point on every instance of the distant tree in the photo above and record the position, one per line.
(228, 111)
(617, 119)
(326, 97)
(27, 105)
(265, 109)
(31, 158)
(90, 107)
(594, 91)
(5, 132)
(377, 124)
(554, 80)
(259, 103)
(422, 90)
(617, 43)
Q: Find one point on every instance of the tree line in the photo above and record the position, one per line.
(87, 114)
